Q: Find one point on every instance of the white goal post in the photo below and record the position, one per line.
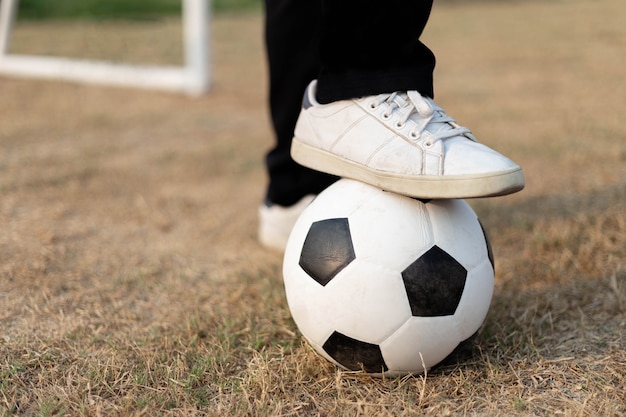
(193, 77)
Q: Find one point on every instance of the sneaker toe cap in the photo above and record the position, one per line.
(465, 157)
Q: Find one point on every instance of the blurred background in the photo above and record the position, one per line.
(131, 280)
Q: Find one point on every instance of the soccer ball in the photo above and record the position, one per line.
(384, 283)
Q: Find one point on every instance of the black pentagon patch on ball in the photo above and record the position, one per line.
(327, 249)
(434, 284)
(355, 354)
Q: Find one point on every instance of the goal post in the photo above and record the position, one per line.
(8, 9)
(193, 78)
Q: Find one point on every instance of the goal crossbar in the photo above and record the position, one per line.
(192, 78)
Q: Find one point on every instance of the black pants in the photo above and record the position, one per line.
(354, 48)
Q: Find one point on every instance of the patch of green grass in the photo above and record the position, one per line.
(236, 5)
(59, 9)
(124, 9)
(51, 407)
(519, 404)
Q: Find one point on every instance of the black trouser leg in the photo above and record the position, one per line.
(292, 30)
(371, 47)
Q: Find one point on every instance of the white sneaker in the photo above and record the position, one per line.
(276, 222)
(400, 142)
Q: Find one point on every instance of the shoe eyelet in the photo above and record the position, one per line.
(400, 125)
(413, 134)
(428, 144)
(386, 116)
(373, 105)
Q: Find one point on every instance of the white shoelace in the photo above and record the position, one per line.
(426, 114)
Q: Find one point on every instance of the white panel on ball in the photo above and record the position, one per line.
(364, 293)
(474, 304)
(411, 347)
(456, 230)
(377, 217)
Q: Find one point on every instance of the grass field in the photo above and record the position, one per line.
(131, 282)
(119, 9)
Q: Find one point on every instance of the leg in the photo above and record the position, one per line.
(292, 37)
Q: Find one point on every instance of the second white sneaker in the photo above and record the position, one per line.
(400, 142)
(276, 222)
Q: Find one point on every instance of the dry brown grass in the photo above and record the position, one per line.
(131, 282)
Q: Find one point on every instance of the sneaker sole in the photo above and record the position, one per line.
(427, 186)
